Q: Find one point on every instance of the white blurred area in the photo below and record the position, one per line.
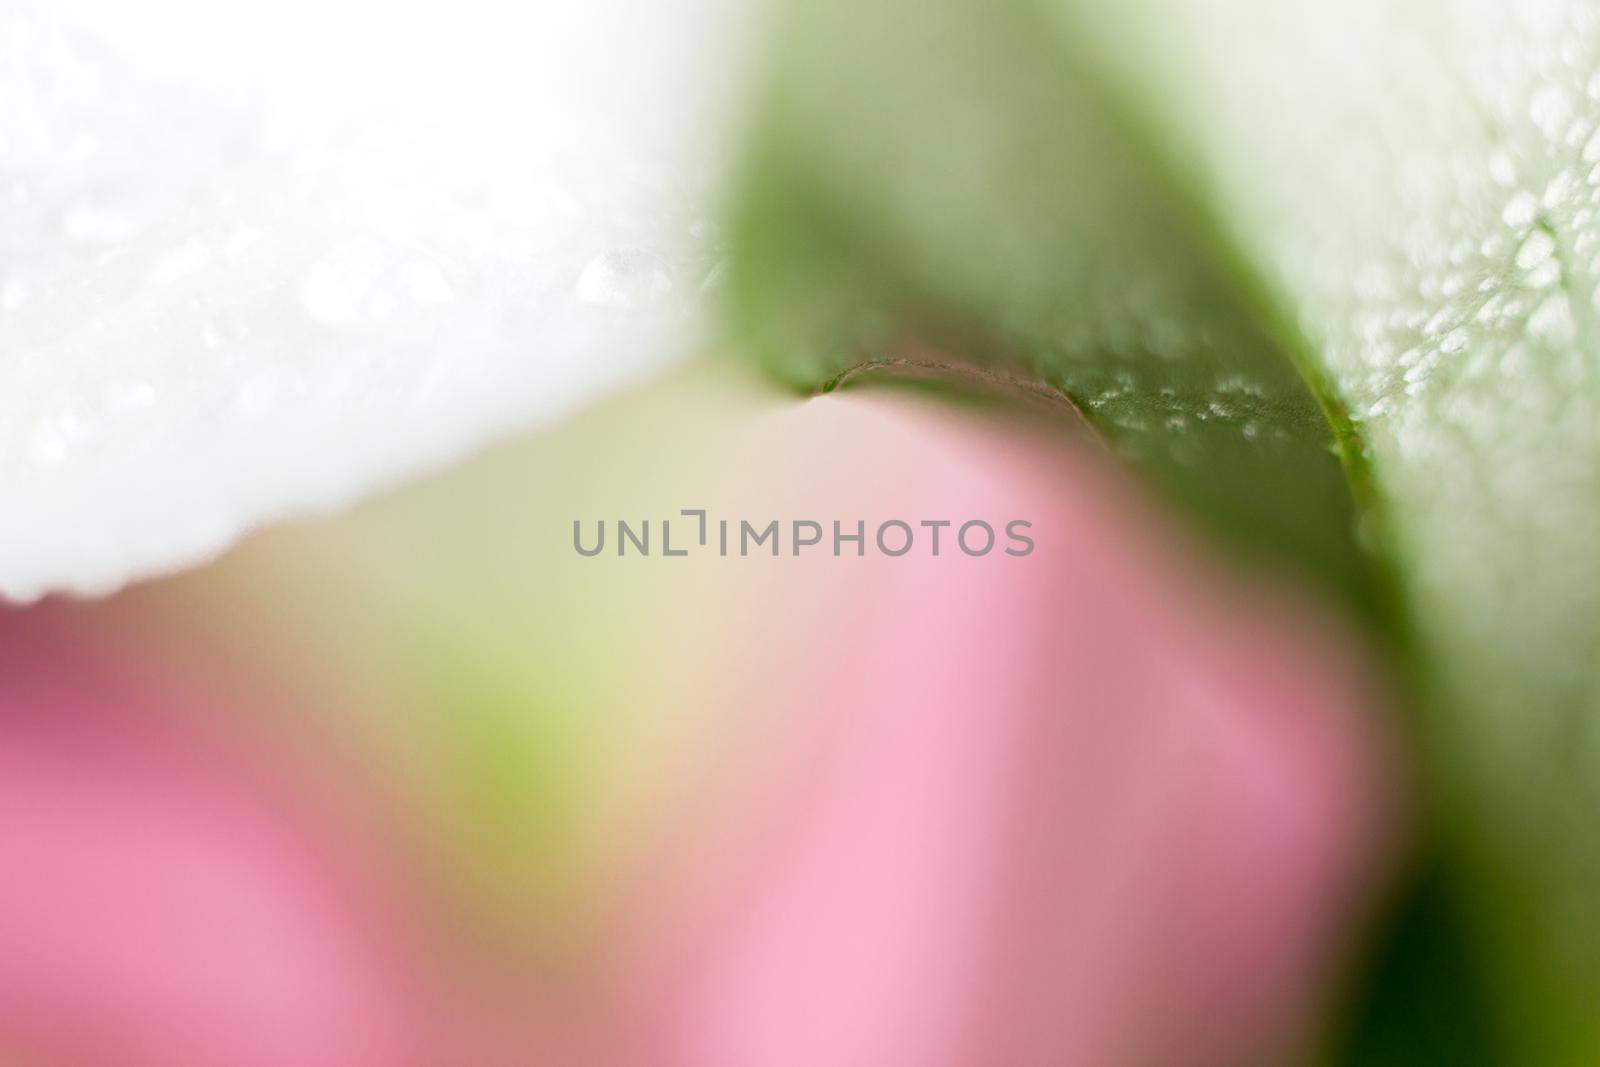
(256, 259)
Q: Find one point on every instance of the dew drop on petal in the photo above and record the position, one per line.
(1552, 320)
(624, 278)
(1520, 211)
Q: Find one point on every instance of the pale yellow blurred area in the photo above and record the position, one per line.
(549, 721)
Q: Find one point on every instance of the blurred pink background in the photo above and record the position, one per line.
(1110, 803)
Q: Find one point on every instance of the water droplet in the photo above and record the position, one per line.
(1560, 190)
(1520, 211)
(93, 224)
(624, 278)
(1490, 311)
(1591, 148)
(1238, 384)
(427, 283)
(266, 391)
(1514, 364)
(332, 296)
(1550, 110)
(243, 244)
(137, 395)
(714, 280)
(188, 258)
(58, 435)
(1502, 169)
(1552, 320)
(1536, 253)
(13, 294)
(1545, 274)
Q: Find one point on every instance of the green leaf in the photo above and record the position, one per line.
(960, 188)
(1326, 274)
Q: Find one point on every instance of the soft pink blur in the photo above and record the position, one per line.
(1087, 807)
(166, 898)
(1101, 805)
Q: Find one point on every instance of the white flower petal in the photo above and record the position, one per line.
(258, 259)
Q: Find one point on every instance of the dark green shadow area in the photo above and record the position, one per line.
(1424, 1000)
(954, 179)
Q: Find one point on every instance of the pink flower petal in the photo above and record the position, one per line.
(163, 897)
(1091, 806)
